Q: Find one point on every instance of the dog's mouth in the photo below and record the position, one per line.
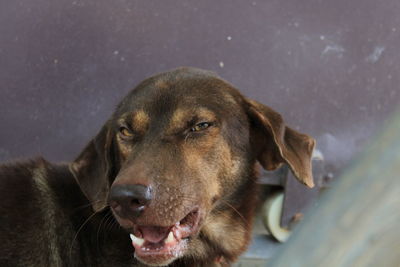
(159, 245)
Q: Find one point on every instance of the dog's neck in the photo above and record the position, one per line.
(89, 233)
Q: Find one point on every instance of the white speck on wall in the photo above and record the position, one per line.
(254, 3)
(322, 37)
(116, 52)
(394, 29)
(221, 64)
(376, 54)
(229, 38)
(296, 24)
(337, 49)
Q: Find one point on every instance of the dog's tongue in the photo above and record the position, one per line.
(154, 234)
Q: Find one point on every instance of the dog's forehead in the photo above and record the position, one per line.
(166, 93)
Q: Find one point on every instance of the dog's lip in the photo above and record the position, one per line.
(159, 243)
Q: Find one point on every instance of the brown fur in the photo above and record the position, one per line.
(140, 121)
(211, 169)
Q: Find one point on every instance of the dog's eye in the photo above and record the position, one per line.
(125, 132)
(200, 126)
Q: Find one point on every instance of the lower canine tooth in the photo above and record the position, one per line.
(170, 238)
(136, 240)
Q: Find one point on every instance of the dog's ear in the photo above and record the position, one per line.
(275, 143)
(94, 167)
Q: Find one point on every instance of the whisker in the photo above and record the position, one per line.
(77, 232)
(85, 206)
(114, 223)
(109, 221)
(235, 210)
(98, 231)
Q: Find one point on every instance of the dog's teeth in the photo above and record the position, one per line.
(170, 238)
(138, 241)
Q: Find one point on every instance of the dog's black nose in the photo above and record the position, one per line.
(129, 200)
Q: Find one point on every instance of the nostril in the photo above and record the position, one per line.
(136, 203)
(129, 200)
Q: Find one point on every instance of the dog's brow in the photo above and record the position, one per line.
(181, 116)
(140, 120)
(162, 84)
(178, 116)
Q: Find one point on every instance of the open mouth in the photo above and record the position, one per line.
(159, 244)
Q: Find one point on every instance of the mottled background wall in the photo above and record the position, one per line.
(330, 67)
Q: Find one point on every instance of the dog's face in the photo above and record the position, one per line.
(177, 153)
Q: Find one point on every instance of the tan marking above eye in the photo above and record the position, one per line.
(161, 84)
(140, 121)
(180, 118)
(140, 117)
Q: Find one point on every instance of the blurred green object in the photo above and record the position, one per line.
(358, 220)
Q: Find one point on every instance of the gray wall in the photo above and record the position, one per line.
(330, 67)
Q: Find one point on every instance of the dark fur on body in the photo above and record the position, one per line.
(59, 215)
(47, 221)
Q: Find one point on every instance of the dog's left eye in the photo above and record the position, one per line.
(125, 132)
(200, 126)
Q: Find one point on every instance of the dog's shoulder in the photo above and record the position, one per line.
(47, 221)
(36, 180)
(31, 214)
(20, 180)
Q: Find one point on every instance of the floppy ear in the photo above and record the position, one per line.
(93, 169)
(276, 143)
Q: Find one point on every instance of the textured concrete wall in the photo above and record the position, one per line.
(330, 67)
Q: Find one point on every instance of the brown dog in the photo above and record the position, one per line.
(175, 164)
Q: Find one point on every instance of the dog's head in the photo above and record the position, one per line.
(177, 153)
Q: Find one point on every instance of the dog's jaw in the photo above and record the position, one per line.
(161, 245)
(161, 253)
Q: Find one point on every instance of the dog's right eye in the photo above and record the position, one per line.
(125, 132)
(200, 126)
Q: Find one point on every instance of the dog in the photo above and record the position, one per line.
(170, 180)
